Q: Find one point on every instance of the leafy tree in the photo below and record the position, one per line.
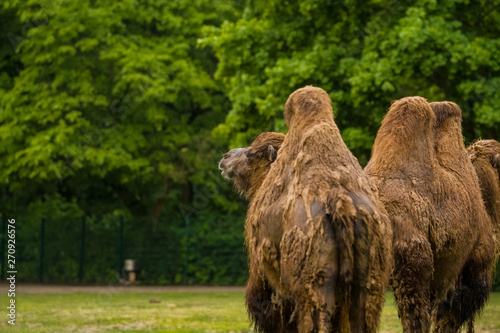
(365, 54)
(108, 114)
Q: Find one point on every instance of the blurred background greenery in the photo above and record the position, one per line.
(113, 115)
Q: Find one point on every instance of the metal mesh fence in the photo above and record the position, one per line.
(92, 251)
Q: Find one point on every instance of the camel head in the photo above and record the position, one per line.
(248, 167)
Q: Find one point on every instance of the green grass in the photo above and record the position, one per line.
(177, 312)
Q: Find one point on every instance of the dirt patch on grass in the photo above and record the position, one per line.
(121, 327)
(24, 289)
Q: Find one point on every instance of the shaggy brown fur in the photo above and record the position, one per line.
(485, 157)
(440, 226)
(473, 285)
(316, 232)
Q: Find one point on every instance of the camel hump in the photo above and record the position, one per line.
(405, 138)
(308, 103)
(308, 92)
(408, 110)
(408, 117)
(445, 110)
(487, 149)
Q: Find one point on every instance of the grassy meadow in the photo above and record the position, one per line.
(176, 312)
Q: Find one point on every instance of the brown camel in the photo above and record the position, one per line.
(473, 285)
(440, 225)
(485, 157)
(247, 168)
(316, 232)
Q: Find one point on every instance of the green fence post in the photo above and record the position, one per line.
(120, 247)
(4, 237)
(40, 263)
(82, 251)
(186, 257)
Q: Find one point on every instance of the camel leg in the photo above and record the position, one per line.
(371, 274)
(267, 314)
(316, 312)
(412, 276)
(366, 305)
(315, 297)
(366, 309)
(308, 275)
(471, 294)
(367, 299)
(445, 322)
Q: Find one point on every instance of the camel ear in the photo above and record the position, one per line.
(273, 153)
(496, 161)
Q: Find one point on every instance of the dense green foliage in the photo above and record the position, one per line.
(106, 112)
(116, 111)
(365, 54)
